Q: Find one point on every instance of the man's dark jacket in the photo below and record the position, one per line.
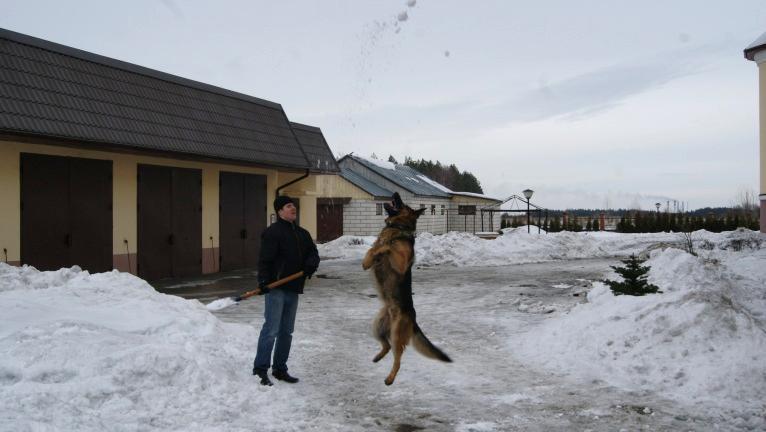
(286, 249)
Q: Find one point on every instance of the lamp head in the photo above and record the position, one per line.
(528, 193)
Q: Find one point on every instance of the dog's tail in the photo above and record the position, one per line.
(425, 347)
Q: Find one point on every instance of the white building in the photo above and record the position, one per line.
(446, 210)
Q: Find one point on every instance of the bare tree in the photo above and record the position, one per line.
(687, 241)
(746, 200)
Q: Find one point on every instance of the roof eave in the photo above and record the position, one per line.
(63, 141)
(751, 52)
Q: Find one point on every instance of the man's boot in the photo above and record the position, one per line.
(264, 377)
(284, 376)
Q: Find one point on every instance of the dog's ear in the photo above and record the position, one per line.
(420, 212)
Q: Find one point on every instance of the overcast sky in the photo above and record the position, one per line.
(589, 103)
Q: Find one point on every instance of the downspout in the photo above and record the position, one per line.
(292, 182)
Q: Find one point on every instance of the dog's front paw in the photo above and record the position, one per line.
(389, 381)
(368, 260)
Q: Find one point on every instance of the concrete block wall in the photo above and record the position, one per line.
(433, 223)
(359, 218)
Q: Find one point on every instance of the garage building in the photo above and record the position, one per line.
(105, 164)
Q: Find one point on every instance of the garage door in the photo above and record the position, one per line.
(66, 212)
(169, 222)
(329, 218)
(242, 219)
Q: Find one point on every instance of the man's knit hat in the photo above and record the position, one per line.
(282, 201)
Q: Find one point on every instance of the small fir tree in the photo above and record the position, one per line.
(634, 279)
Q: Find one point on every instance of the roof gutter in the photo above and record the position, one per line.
(292, 182)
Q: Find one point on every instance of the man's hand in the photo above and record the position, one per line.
(309, 271)
(263, 286)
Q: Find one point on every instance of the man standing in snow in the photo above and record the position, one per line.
(286, 248)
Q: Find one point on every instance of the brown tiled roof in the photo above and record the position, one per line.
(55, 91)
(315, 146)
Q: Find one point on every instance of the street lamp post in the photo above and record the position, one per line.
(528, 194)
(658, 214)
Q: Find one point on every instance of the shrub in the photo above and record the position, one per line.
(634, 279)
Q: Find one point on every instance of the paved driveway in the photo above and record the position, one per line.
(473, 314)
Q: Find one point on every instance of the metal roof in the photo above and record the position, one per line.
(476, 195)
(402, 175)
(315, 146)
(52, 90)
(757, 45)
(364, 184)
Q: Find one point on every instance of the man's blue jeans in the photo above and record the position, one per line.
(279, 313)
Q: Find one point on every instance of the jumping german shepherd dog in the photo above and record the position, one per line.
(391, 258)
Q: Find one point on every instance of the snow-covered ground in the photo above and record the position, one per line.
(107, 352)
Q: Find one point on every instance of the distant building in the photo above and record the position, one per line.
(446, 210)
(757, 53)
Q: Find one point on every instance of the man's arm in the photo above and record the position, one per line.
(267, 257)
(311, 260)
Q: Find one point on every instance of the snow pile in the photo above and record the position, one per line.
(346, 247)
(516, 246)
(703, 341)
(107, 352)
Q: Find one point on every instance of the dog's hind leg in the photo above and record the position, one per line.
(401, 330)
(381, 329)
(398, 351)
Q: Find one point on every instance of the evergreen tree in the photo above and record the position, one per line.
(621, 225)
(634, 279)
(733, 222)
(640, 223)
(555, 225)
(699, 223)
(710, 223)
(392, 159)
(450, 176)
(589, 225)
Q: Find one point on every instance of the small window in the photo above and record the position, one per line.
(442, 209)
(433, 209)
(466, 210)
(378, 208)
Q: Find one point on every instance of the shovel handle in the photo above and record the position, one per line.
(276, 283)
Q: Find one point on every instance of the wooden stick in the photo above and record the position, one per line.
(272, 285)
